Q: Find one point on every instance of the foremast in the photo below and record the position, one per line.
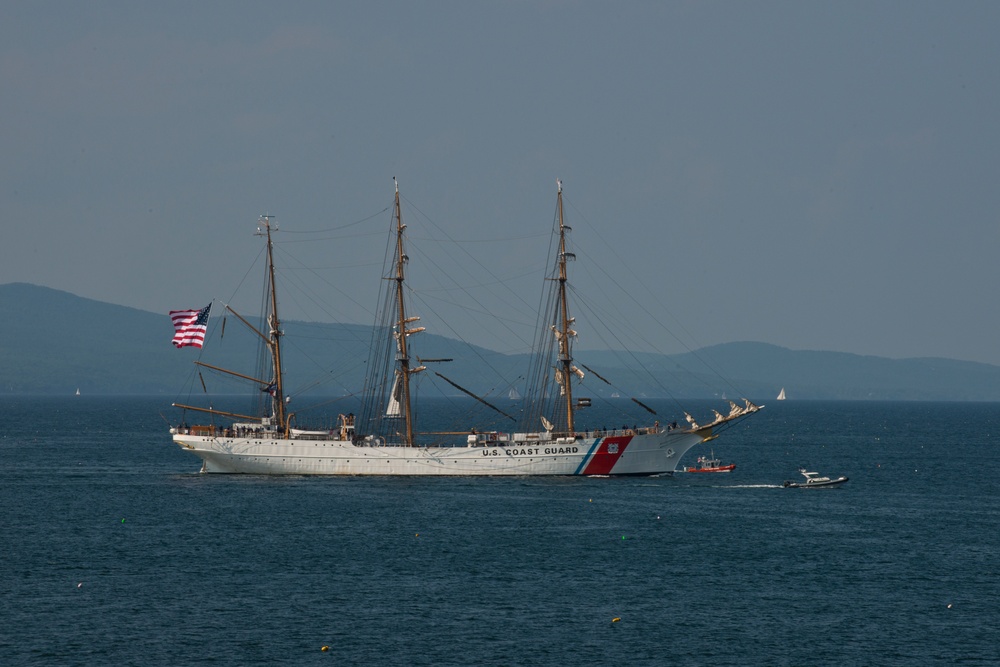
(564, 335)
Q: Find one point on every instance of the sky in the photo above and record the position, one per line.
(819, 176)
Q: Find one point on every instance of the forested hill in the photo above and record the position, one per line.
(55, 342)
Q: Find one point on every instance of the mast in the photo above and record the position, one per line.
(403, 369)
(274, 331)
(563, 334)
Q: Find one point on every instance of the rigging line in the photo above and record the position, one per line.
(246, 275)
(324, 377)
(538, 387)
(474, 241)
(616, 407)
(644, 368)
(597, 375)
(462, 412)
(587, 308)
(504, 323)
(292, 273)
(330, 401)
(336, 267)
(543, 344)
(637, 401)
(478, 398)
(300, 392)
(337, 229)
(594, 313)
(660, 303)
(328, 238)
(605, 380)
(480, 266)
(379, 342)
(619, 315)
(620, 262)
(499, 281)
(415, 298)
(625, 349)
(424, 298)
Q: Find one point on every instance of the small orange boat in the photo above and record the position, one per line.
(711, 464)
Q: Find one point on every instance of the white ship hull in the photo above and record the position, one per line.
(617, 453)
(268, 442)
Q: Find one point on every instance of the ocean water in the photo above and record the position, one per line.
(115, 551)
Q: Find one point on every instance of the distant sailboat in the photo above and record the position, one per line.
(781, 394)
(77, 391)
(513, 394)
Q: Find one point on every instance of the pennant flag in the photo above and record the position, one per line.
(190, 326)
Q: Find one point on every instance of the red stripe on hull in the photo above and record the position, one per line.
(607, 455)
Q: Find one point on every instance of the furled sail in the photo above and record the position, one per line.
(393, 409)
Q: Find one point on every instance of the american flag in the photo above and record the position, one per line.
(190, 326)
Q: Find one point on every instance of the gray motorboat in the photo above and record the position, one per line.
(814, 481)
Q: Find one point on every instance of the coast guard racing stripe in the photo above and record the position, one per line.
(607, 455)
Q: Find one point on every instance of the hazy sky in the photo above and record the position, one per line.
(817, 175)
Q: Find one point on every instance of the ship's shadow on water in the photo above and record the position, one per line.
(118, 552)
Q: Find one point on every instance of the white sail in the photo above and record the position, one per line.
(393, 409)
(781, 394)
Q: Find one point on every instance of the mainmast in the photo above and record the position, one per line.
(276, 388)
(564, 334)
(403, 370)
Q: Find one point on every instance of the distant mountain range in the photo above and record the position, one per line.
(55, 343)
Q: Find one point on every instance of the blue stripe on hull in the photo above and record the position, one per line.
(590, 454)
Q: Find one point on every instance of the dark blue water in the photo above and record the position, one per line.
(114, 551)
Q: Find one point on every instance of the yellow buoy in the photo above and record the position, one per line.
(325, 649)
(616, 619)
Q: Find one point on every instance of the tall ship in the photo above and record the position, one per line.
(384, 439)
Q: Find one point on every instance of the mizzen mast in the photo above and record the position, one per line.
(273, 339)
(403, 370)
